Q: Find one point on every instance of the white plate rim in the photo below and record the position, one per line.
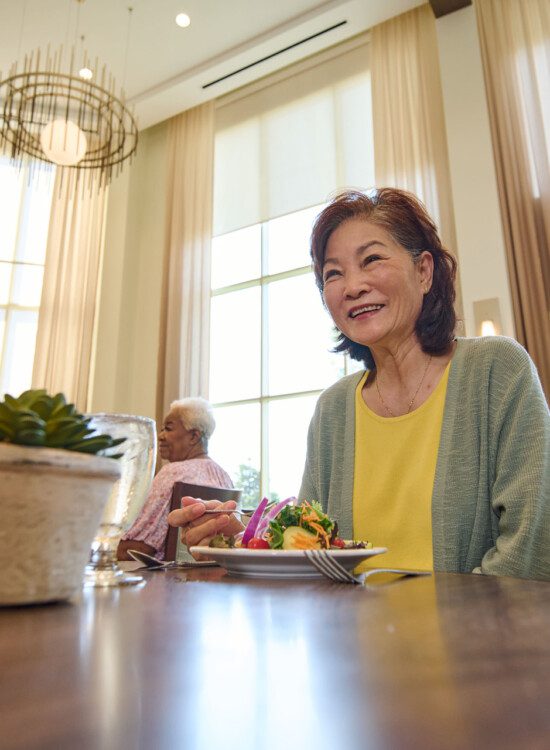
(242, 552)
(284, 564)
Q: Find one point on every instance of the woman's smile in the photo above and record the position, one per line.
(364, 311)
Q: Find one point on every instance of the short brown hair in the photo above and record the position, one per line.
(405, 218)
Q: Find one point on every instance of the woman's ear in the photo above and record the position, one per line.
(425, 265)
(195, 436)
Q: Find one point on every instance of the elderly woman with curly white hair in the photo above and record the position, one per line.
(183, 442)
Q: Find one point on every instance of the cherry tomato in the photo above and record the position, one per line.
(337, 542)
(256, 543)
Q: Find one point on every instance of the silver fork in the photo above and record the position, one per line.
(153, 563)
(331, 568)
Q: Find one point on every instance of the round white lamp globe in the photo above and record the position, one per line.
(63, 142)
(86, 74)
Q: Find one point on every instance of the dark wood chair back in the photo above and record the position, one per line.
(182, 489)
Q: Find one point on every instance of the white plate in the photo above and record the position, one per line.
(275, 563)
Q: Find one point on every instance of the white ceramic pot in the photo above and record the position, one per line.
(51, 501)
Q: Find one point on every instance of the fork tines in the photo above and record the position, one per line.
(329, 566)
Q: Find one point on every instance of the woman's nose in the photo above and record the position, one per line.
(356, 283)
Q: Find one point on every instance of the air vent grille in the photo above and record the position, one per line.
(274, 54)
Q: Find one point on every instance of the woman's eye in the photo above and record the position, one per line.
(330, 275)
(370, 259)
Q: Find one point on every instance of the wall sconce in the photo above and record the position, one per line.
(487, 317)
(488, 328)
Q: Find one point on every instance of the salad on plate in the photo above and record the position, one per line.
(288, 526)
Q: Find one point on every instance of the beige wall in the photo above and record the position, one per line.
(125, 371)
(481, 252)
(127, 333)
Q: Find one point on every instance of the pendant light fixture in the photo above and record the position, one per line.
(64, 112)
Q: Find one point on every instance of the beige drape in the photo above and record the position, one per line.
(515, 46)
(410, 145)
(185, 319)
(64, 340)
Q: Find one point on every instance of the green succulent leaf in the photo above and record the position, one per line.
(92, 445)
(43, 406)
(28, 398)
(30, 437)
(30, 421)
(55, 424)
(78, 437)
(58, 401)
(67, 435)
(64, 410)
(7, 430)
(6, 412)
(38, 419)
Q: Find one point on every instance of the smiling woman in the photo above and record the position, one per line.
(424, 451)
(183, 442)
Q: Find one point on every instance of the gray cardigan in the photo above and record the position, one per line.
(491, 495)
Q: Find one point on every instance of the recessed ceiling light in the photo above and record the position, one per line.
(85, 73)
(183, 20)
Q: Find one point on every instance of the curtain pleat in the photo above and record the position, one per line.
(64, 341)
(515, 47)
(183, 358)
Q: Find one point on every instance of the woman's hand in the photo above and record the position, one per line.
(198, 529)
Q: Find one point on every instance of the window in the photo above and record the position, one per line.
(25, 201)
(281, 144)
(294, 138)
(270, 354)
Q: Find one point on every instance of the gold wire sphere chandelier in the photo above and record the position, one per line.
(61, 116)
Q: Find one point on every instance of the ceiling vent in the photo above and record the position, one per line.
(274, 54)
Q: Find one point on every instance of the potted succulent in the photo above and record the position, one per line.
(53, 488)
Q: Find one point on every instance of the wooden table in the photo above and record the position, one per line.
(203, 661)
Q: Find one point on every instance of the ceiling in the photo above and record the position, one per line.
(164, 68)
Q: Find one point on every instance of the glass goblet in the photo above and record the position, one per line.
(127, 496)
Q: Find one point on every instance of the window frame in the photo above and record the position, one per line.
(27, 173)
(265, 399)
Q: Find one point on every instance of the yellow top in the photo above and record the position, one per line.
(395, 461)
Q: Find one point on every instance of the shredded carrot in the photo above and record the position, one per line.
(318, 528)
(311, 516)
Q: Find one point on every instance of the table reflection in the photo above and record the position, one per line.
(201, 660)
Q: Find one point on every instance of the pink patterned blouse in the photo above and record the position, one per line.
(151, 526)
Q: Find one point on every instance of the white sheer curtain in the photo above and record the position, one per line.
(183, 359)
(64, 341)
(410, 144)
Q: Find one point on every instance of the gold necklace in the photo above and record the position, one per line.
(411, 402)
